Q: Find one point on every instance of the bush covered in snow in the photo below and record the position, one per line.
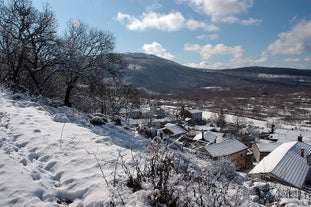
(171, 178)
(166, 177)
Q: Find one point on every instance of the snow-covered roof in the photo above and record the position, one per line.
(175, 129)
(227, 147)
(286, 163)
(195, 111)
(208, 136)
(267, 147)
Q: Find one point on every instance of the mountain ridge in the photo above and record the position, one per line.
(165, 76)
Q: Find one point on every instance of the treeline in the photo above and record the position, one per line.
(79, 66)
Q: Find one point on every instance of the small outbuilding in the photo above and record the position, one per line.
(260, 150)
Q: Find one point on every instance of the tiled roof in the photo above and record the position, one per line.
(286, 163)
(227, 147)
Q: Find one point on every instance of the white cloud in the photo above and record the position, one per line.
(307, 59)
(173, 21)
(209, 50)
(211, 36)
(232, 63)
(293, 42)
(206, 65)
(262, 59)
(289, 60)
(194, 24)
(167, 22)
(251, 21)
(154, 6)
(237, 56)
(158, 50)
(224, 10)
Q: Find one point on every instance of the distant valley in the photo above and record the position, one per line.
(257, 92)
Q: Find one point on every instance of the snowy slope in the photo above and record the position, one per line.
(48, 163)
(54, 157)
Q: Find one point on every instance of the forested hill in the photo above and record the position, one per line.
(164, 76)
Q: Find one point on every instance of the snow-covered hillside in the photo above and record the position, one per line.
(54, 157)
(45, 163)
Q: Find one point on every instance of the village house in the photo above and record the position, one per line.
(194, 114)
(155, 111)
(231, 149)
(289, 164)
(260, 150)
(173, 130)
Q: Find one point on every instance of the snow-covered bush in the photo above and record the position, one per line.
(223, 170)
(172, 178)
(146, 131)
(62, 118)
(97, 121)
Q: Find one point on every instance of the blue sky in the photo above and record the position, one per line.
(201, 33)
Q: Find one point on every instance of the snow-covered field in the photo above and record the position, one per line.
(283, 132)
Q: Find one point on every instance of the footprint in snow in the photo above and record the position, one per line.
(44, 158)
(21, 145)
(50, 165)
(33, 156)
(35, 175)
(24, 161)
(57, 176)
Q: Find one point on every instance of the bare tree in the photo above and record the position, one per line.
(113, 95)
(86, 56)
(221, 119)
(27, 37)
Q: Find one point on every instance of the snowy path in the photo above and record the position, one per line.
(47, 163)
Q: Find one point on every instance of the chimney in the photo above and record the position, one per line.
(302, 152)
(299, 139)
(309, 160)
(202, 134)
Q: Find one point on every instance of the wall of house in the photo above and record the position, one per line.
(256, 152)
(239, 159)
(197, 116)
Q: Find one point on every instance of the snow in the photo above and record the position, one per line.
(267, 146)
(232, 119)
(268, 163)
(54, 157)
(46, 163)
(208, 136)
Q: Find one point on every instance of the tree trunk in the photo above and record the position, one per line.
(67, 96)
